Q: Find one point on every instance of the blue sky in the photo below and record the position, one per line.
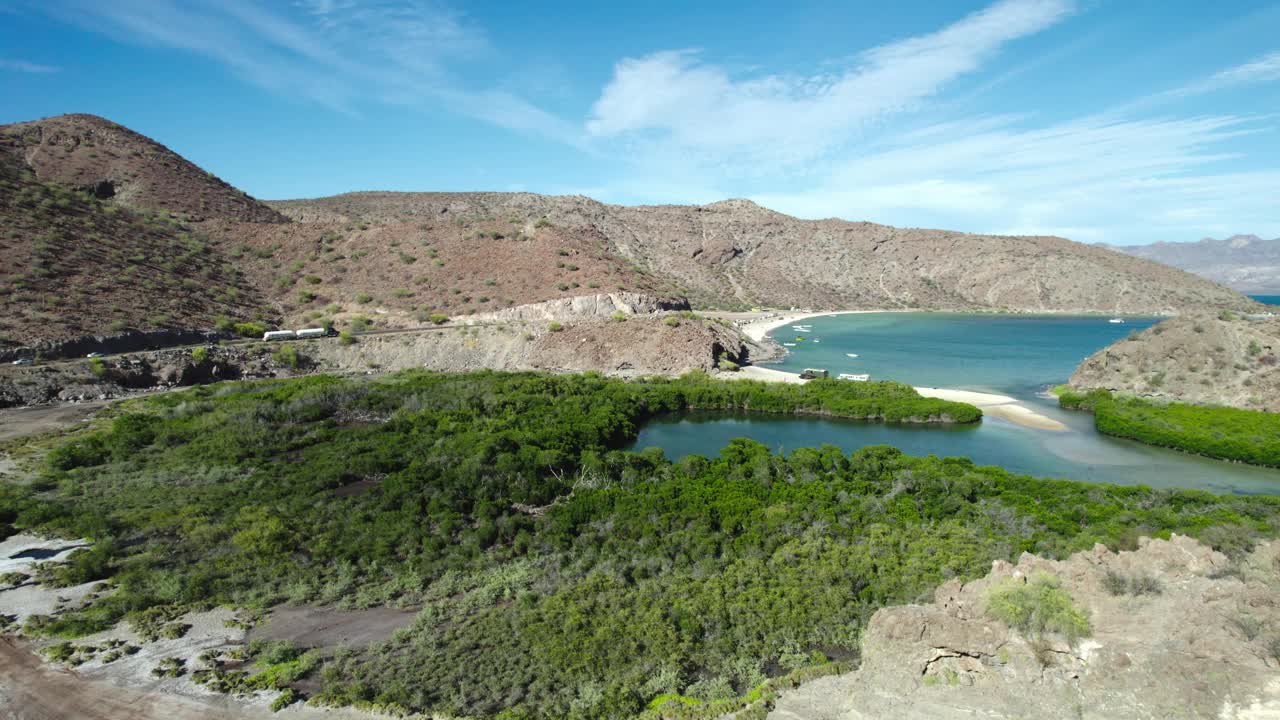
(1099, 120)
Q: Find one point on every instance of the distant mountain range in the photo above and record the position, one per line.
(1246, 263)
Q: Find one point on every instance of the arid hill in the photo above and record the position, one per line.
(110, 161)
(736, 253)
(73, 265)
(1243, 262)
(109, 232)
(1222, 359)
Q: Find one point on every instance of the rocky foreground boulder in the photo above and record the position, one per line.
(1177, 631)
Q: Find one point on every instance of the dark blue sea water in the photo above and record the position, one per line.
(1267, 299)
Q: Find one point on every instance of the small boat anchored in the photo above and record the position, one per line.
(852, 355)
(859, 377)
(1116, 321)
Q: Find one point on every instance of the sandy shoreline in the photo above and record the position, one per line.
(1000, 406)
(757, 329)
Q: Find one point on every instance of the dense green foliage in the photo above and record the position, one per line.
(1219, 432)
(557, 575)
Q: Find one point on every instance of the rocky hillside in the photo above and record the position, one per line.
(737, 254)
(90, 153)
(1243, 262)
(1222, 359)
(73, 265)
(1176, 630)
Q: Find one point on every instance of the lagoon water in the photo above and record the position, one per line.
(1267, 299)
(1013, 355)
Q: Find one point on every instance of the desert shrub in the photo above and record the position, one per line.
(619, 316)
(363, 298)
(170, 668)
(97, 367)
(286, 355)
(250, 329)
(1117, 583)
(438, 318)
(200, 354)
(1037, 606)
(346, 338)
(554, 326)
(672, 321)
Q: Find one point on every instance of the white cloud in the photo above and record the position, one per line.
(1094, 178)
(24, 66)
(1263, 69)
(672, 99)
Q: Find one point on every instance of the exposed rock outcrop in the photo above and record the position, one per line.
(601, 305)
(1201, 641)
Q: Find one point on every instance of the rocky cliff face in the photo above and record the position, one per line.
(1246, 263)
(736, 253)
(1201, 639)
(1198, 358)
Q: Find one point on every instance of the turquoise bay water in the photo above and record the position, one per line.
(1014, 355)
(1009, 354)
(1267, 299)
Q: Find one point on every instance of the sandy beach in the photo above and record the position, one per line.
(1001, 406)
(758, 328)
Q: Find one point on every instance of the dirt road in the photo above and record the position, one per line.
(19, 422)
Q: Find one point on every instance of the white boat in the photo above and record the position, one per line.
(815, 342)
(851, 354)
(1116, 321)
(788, 344)
(860, 377)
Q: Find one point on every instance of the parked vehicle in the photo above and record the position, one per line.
(310, 333)
(279, 335)
(23, 361)
(94, 355)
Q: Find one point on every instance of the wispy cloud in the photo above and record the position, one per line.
(674, 99)
(342, 54)
(27, 67)
(1264, 69)
(1094, 178)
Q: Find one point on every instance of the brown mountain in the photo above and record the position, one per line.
(1243, 262)
(736, 253)
(111, 161)
(73, 265)
(108, 231)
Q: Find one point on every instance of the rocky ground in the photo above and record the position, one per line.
(1218, 359)
(616, 333)
(1200, 640)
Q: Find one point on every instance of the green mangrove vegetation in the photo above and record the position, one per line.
(1219, 432)
(554, 575)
